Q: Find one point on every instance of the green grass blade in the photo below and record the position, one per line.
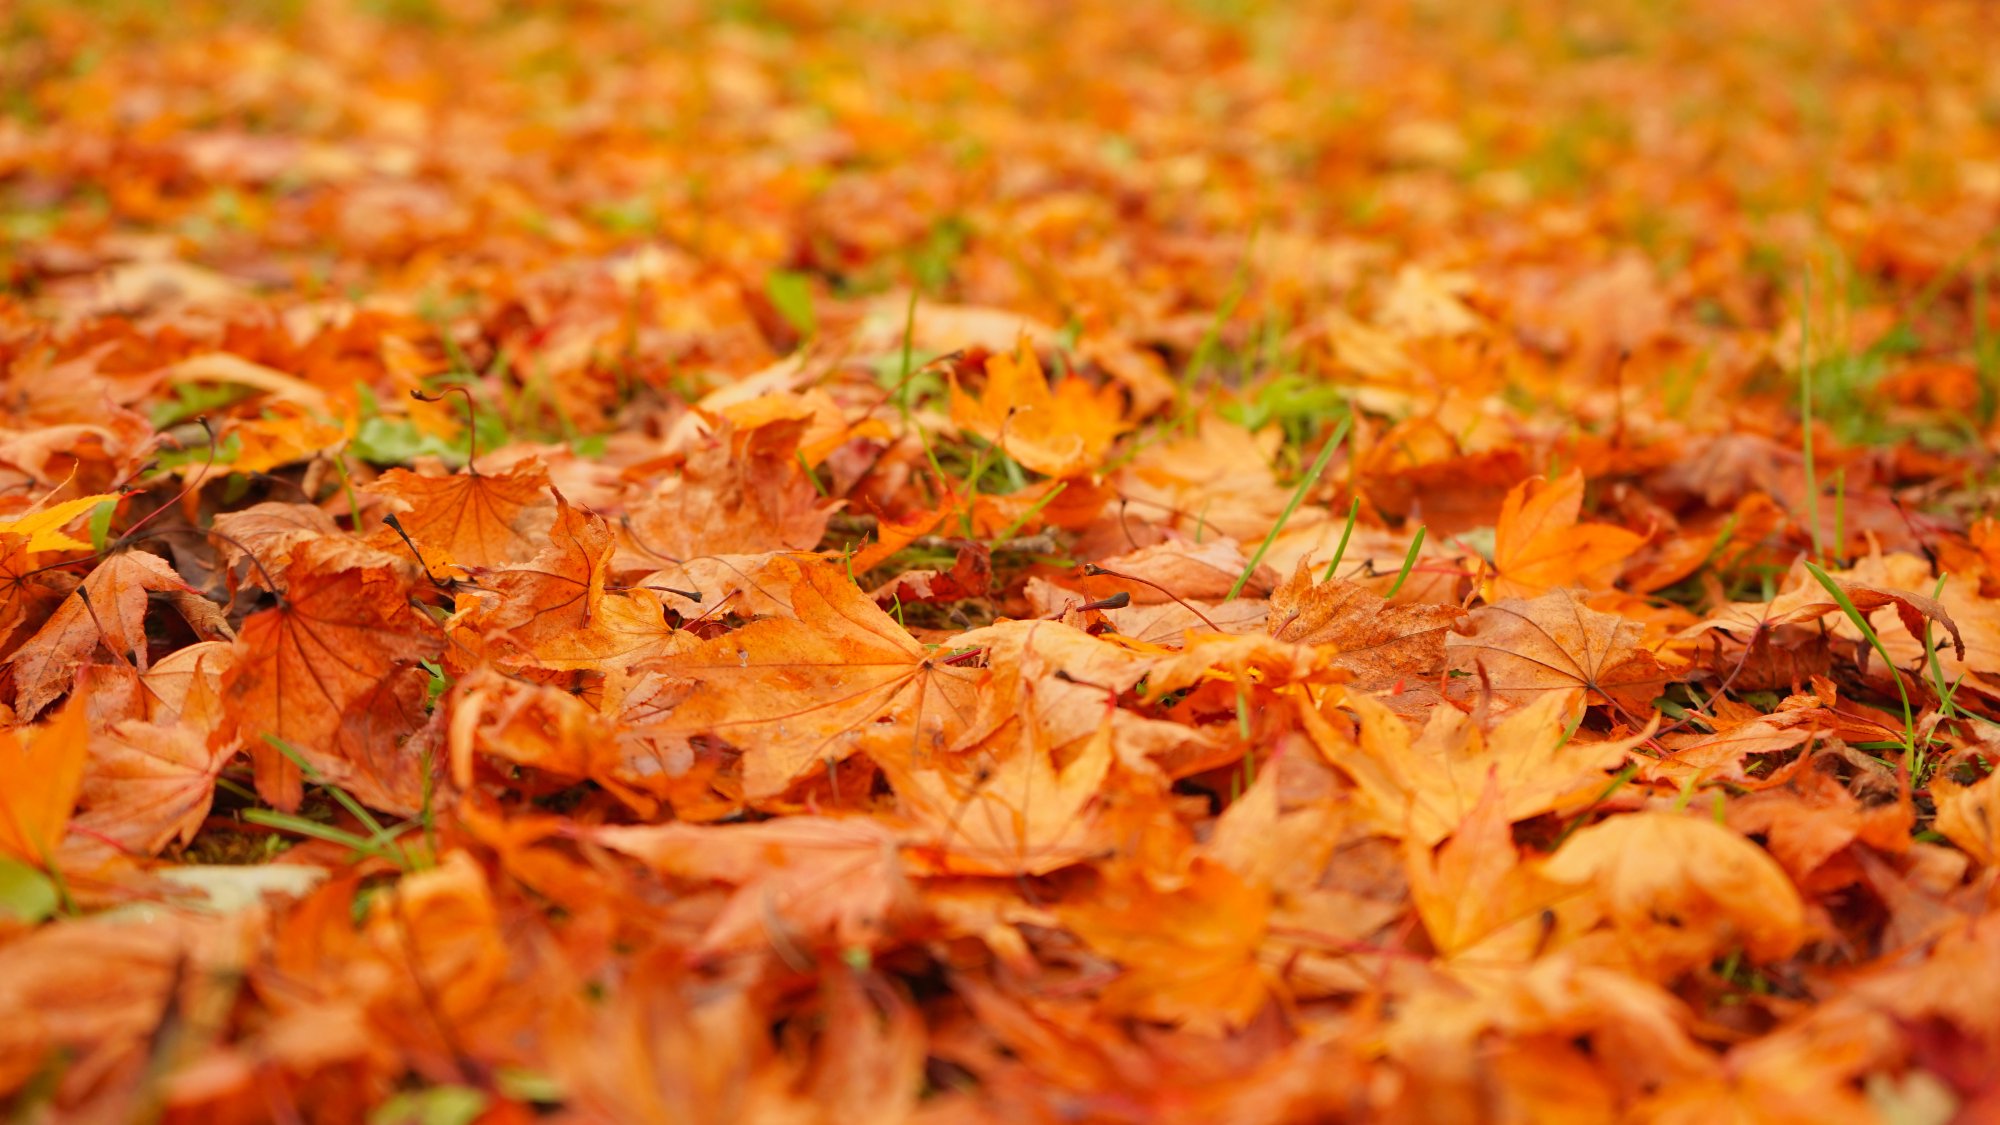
(1806, 409)
(1409, 563)
(354, 807)
(1034, 510)
(367, 845)
(1945, 693)
(1340, 550)
(1298, 494)
(1875, 641)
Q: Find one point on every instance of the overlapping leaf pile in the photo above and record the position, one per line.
(1146, 561)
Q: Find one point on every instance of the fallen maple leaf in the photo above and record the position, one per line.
(1807, 817)
(659, 1048)
(1680, 890)
(1475, 897)
(94, 991)
(741, 579)
(557, 612)
(1539, 545)
(1422, 785)
(795, 694)
(1056, 676)
(331, 670)
(468, 518)
(970, 576)
(1380, 644)
(670, 1045)
(1804, 1072)
(1521, 649)
(171, 683)
(110, 608)
(1298, 831)
(146, 784)
(16, 593)
(1423, 302)
(1969, 816)
(801, 882)
(44, 772)
(1970, 623)
(43, 529)
(1014, 811)
(534, 725)
(1637, 1031)
(1176, 570)
(827, 427)
(1804, 599)
(438, 932)
(285, 434)
(1217, 480)
(1689, 759)
(1208, 656)
(1189, 954)
(270, 532)
(738, 491)
(1061, 432)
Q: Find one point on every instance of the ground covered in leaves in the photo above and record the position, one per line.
(1161, 561)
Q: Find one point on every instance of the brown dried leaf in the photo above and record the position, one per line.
(1380, 644)
(115, 616)
(1523, 649)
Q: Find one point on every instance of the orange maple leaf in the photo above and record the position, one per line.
(1519, 649)
(1475, 896)
(738, 491)
(831, 881)
(1061, 432)
(1019, 812)
(271, 531)
(147, 783)
(796, 693)
(469, 518)
(15, 591)
(1679, 890)
(1969, 816)
(109, 608)
(538, 726)
(1538, 545)
(332, 671)
(1189, 954)
(289, 433)
(92, 988)
(1380, 644)
(43, 774)
(1424, 784)
(557, 612)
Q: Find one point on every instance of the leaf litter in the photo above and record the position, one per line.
(862, 561)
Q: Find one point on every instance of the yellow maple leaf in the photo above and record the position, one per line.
(43, 529)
